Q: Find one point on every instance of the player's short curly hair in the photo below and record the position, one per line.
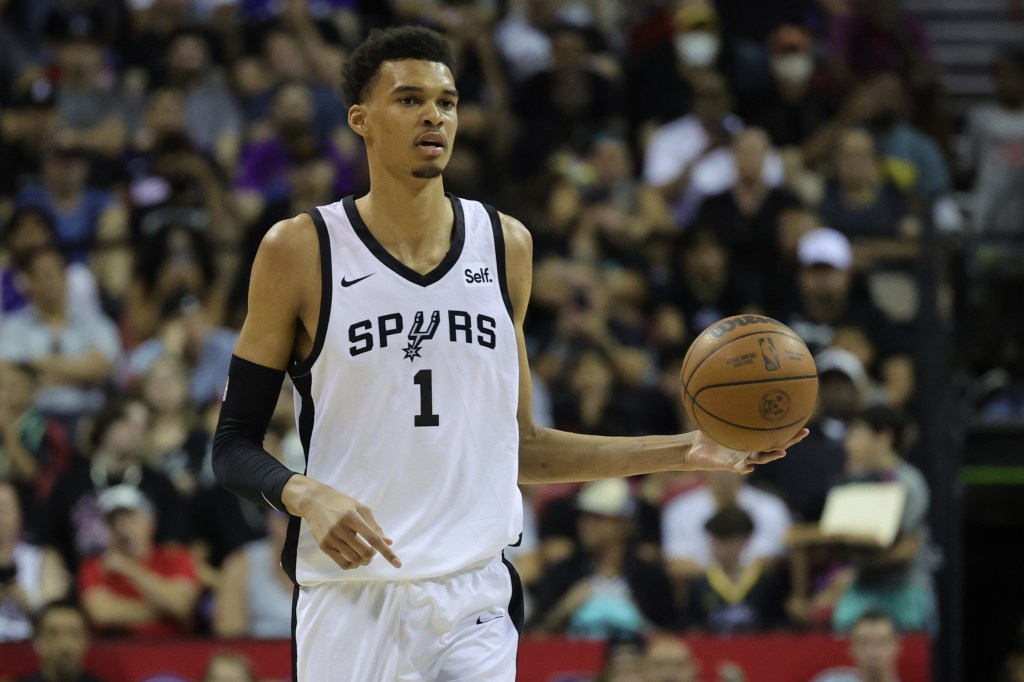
(392, 44)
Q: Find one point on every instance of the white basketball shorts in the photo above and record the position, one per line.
(454, 628)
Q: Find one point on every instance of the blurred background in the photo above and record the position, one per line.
(853, 168)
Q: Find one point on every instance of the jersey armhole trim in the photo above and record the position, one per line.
(326, 291)
(499, 254)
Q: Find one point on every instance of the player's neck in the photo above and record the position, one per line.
(413, 222)
(406, 212)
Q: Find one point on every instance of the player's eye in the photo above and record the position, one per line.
(447, 104)
(407, 100)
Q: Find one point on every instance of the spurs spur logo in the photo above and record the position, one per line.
(417, 335)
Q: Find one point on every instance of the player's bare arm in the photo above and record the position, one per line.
(284, 304)
(549, 456)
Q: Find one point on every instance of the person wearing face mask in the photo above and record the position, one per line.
(791, 109)
(660, 79)
(697, 41)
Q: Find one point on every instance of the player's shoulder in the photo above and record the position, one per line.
(290, 241)
(518, 240)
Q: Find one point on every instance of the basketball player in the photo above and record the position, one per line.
(399, 316)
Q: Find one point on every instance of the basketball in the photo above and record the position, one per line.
(749, 382)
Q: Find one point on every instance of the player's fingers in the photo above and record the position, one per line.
(349, 555)
(368, 515)
(342, 554)
(795, 439)
(376, 540)
(765, 457)
(356, 544)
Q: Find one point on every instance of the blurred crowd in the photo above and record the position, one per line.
(677, 161)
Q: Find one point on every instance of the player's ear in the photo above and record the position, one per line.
(357, 119)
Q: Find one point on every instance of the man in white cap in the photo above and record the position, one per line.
(604, 589)
(136, 586)
(835, 309)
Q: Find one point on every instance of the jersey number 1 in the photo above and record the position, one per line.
(426, 417)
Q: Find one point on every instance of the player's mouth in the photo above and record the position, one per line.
(431, 144)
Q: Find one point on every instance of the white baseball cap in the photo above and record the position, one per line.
(825, 246)
(842, 361)
(124, 496)
(610, 497)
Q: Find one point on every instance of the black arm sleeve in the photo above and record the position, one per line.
(239, 461)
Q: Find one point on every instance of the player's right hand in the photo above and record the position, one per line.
(343, 527)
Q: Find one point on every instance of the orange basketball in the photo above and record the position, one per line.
(749, 382)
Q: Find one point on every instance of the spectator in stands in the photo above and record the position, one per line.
(623, 660)
(912, 161)
(227, 666)
(136, 586)
(606, 180)
(212, 119)
(21, 566)
(176, 443)
(603, 589)
(994, 133)
(264, 163)
(861, 204)
(82, 215)
(73, 526)
(285, 60)
(793, 109)
(562, 108)
(875, 649)
(746, 215)
(686, 542)
(27, 230)
(896, 579)
(818, 462)
(90, 107)
(30, 124)
(34, 450)
(690, 158)
(188, 336)
(61, 641)
(72, 351)
(522, 38)
(254, 596)
(669, 659)
(704, 286)
(835, 309)
(668, 48)
(732, 595)
(174, 260)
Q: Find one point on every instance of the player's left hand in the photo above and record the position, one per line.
(707, 455)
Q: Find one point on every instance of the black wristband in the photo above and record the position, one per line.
(240, 463)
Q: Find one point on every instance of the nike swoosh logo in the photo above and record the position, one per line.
(350, 282)
(481, 621)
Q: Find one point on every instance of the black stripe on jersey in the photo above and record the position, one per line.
(304, 387)
(397, 266)
(295, 633)
(326, 289)
(516, 604)
(499, 254)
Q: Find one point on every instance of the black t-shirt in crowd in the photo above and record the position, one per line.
(74, 524)
(805, 475)
(752, 240)
(879, 219)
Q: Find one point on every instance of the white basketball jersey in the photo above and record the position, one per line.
(408, 400)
